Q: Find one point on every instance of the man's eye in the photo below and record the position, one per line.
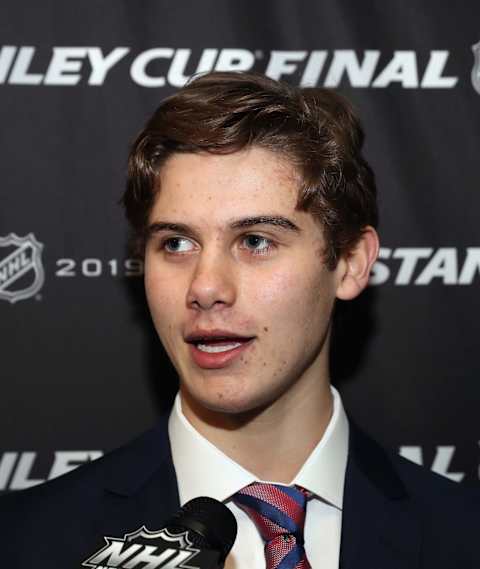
(177, 245)
(258, 244)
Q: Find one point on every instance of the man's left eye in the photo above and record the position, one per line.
(258, 244)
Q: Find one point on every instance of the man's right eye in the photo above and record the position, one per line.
(176, 245)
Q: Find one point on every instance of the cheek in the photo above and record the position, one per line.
(295, 288)
(162, 295)
(162, 298)
(279, 289)
(297, 301)
(275, 303)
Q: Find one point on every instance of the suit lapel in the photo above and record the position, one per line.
(380, 529)
(141, 488)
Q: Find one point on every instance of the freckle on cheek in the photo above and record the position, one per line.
(265, 328)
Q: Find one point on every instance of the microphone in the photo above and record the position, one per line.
(199, 536)
(208, 525)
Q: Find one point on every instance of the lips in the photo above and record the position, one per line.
(212, 356)
(216, 348)
(217, 360)
(217, 345)
(215, 336)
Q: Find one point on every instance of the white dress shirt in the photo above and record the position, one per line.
(204, 470)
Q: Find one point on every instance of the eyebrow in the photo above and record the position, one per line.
(278, 221)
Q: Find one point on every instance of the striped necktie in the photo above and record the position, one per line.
(279, 514)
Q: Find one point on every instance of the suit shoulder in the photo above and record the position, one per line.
(86, 484)
(434, 495)
(428, 486)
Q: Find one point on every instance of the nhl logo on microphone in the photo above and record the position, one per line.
(153, 550)
(21, 269)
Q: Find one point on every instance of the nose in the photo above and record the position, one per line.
(212, 284)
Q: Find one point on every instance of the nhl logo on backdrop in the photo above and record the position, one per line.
(21, 269)
(476, 67)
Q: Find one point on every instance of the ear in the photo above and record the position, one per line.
(355, 266)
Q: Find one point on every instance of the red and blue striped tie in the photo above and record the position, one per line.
(279, 514)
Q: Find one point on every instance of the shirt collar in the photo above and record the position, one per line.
(198, 462)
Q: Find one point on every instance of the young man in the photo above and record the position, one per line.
(254, 210)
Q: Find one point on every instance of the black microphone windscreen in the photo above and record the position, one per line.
(210, 523)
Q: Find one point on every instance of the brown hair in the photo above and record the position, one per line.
(223, 112)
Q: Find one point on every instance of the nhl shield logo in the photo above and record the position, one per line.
(179, 539)
(476, 67)
(21, 269)
(156, 549)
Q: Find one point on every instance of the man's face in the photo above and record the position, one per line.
(224, 273)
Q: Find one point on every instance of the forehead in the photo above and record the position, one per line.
(212, 187)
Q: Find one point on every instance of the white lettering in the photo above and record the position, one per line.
(113, 554)
(207, 60)
(380, 271)
(410, 258)
(7, 55)
(313, 69)
(138, 70)
(442, 461)
(470, 266)
(153, 561)
(65, 461)
(101, 64)
(433, 73)
(20, 74)
(359, 69)
(7, 464)
(283, 63)
(412, 453)
(235, 60)
(442, 265)
(14, 265)
(402, 68)
(64, 65)
(176, 74)
(440, 464)
(21, 478)
(346, 61)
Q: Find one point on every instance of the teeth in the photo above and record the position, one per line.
(216, 349)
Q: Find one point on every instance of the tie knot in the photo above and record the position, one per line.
(276, 510)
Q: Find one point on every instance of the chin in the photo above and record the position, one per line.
(226, 402)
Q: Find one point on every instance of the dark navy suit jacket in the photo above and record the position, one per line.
(396, 515)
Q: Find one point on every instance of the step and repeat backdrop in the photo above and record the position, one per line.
(82, 370)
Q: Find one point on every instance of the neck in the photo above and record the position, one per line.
(272, 442)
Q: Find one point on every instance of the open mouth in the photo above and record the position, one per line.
(218, 346)
(213, 353)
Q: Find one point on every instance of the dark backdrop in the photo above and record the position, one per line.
(81, 368)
